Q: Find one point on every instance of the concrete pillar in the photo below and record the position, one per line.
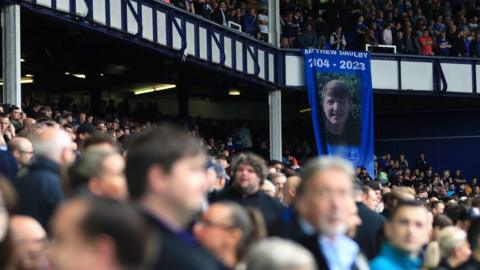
(275, 97)
(11, 52)
(274, 22)
(275, 124)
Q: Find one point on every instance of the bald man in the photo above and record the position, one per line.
(40, 189)
(22, 149)
(29, 238)
(290, 189)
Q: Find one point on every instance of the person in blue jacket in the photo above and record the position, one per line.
(407, 232)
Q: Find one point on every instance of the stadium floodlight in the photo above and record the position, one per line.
(155, 88)
(22, 81)
(76, 75)
(234, 92)
(305, 110)
(29, 75)
(79, 75)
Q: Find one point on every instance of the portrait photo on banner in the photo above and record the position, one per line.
(340, 107)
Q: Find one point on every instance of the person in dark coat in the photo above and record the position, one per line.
(220, 14)
(113, 235)
(421, 163)
(166, 176)
(320, 216)
(369, 234)
(248, 172)
(40, 188)
(474, 240)
(8, 164)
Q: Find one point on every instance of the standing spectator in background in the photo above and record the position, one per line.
(245, 137)
(337, 39)
(466, 41)
(30, 242)
(377, 31)
(99, 172)
(297, 20)
(268, 188)
(443, 45)
(369, 234)
(387, 36)
(290, 190)
(407, 232)
(322, 211)
(402, 162)
(474, 239)
(22, 149)
(475, 46)
(369, 198)
(439, 27)
(220, 14)
(421, 163)
(227, 230)
(263, 25)
(98, 233)
(361, 31)
(15, 118)
(288, 32)
(473, 25)
(458, 44)
(321, 29)
(40, 189)
(275, 166)
(6, 128)
(202, 8)
(449, 250)
(166, 176)
(249, 172)
(249, 23)
(309, 38)
(279, 180)
(8, 163)
(410, 43)
(370, 38)
(437, 207)
(426, 43)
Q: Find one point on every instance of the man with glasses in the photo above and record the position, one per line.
(40, 189)
(227, 230)
(22, 149)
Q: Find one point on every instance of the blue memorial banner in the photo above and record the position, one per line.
(339, 86)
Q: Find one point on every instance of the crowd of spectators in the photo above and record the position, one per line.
(427, 27)
(430, 27)
(81, 191)
(250, 17)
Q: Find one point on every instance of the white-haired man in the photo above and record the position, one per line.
(320, 218)
(40, 189)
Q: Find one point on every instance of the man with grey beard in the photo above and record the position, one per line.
(319, 218)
